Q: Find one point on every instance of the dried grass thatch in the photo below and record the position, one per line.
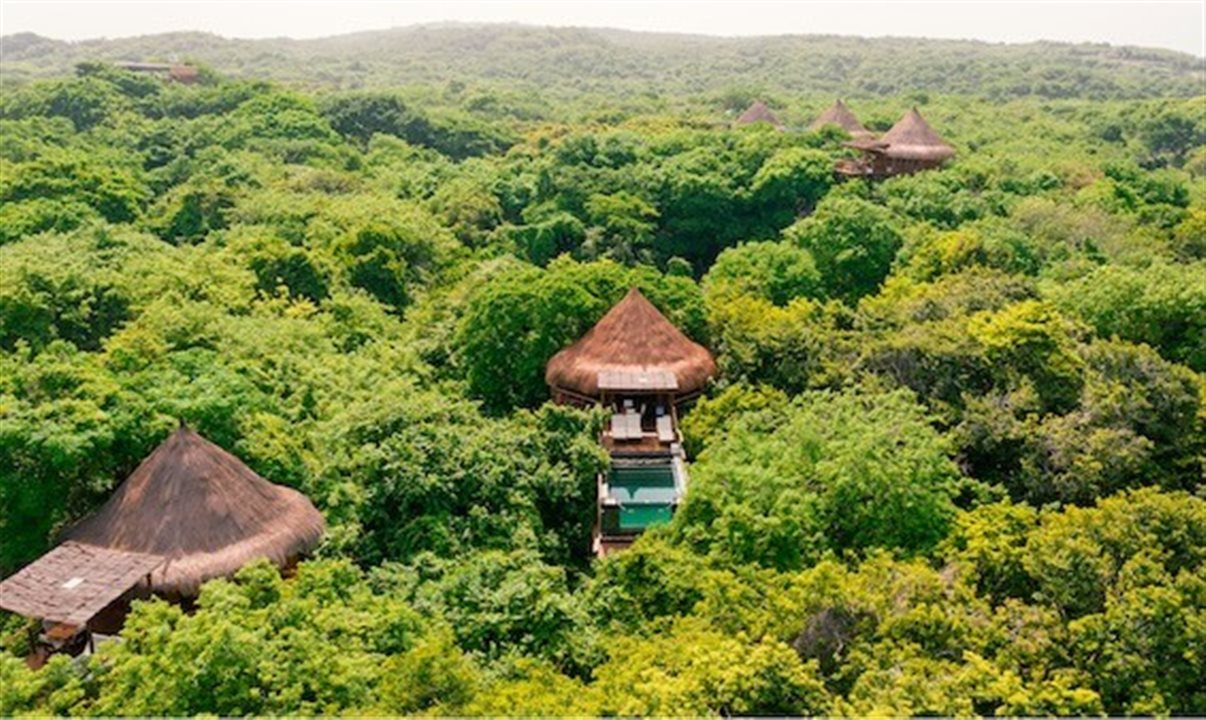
(633, 337)
(911, 138)
(841, 116)
(205, 512)
(759, 113)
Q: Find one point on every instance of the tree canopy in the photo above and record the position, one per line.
(951, 462)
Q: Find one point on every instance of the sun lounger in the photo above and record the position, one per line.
(665, 429)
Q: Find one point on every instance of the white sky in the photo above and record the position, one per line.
(1175, 24)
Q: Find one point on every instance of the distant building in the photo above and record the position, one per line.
(841, 116)
(185, 74)
(909, 146)
(759, 113)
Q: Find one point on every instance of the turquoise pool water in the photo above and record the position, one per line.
(646, 495)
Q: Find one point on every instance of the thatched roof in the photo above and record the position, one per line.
(759, 112)
(841, 116)
(74, 582)
(632, 338)
(911, 138)
(204, 511)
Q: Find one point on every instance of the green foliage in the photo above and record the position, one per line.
(709, 419)
(69, 287)
(793, 178)
(433, 475)
(847, 471)
(791, 348)
(853, 243)
(773, 271)
(695, 670)
(1026, 343)
(533, 689)
(621, 227)
(1189, 237)
(104, 181)
(263, 646)
(1163, 305)
(1170, 134)
(363, 115)
(503, 603)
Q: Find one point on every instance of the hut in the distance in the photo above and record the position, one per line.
(841, 116)
(185, 74)
(189, 513)
(759, 113)
(909, 146)
(638, 365)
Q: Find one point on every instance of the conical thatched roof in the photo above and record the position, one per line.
(633, 337)
(203, 510)
(759, 112)
(911, 138)
(841, 116)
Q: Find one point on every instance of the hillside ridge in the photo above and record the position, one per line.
(615, 60)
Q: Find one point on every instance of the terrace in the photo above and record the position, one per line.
(638, 492)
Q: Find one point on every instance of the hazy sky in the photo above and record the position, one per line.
(1176, 24)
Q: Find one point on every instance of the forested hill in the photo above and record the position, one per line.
(572, 60)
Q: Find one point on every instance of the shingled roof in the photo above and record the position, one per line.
(759, 112)
(74, 582)
(632, 340)
(204, 512)
(911, 138)
(841, 116)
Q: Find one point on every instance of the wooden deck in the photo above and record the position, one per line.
(647, 444)
(606, 545)
(636, 436)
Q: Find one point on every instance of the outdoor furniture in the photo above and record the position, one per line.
(634, 426)
(619, 427)
(665, 429)
(626, 426)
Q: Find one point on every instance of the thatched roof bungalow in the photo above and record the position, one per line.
(759, 113)
(189, 513)
(633, 349)
(204, 512)
(912, 138)
(638, 363)
(841, 116)
(909, 146)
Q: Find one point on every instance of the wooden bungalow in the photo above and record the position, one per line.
(909, 146)
(842, 117)
(189, 513)
(759, 113)
(642, 368)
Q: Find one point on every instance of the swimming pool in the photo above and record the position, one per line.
(642, 495)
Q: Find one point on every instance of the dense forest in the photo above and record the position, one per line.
(954, 461)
